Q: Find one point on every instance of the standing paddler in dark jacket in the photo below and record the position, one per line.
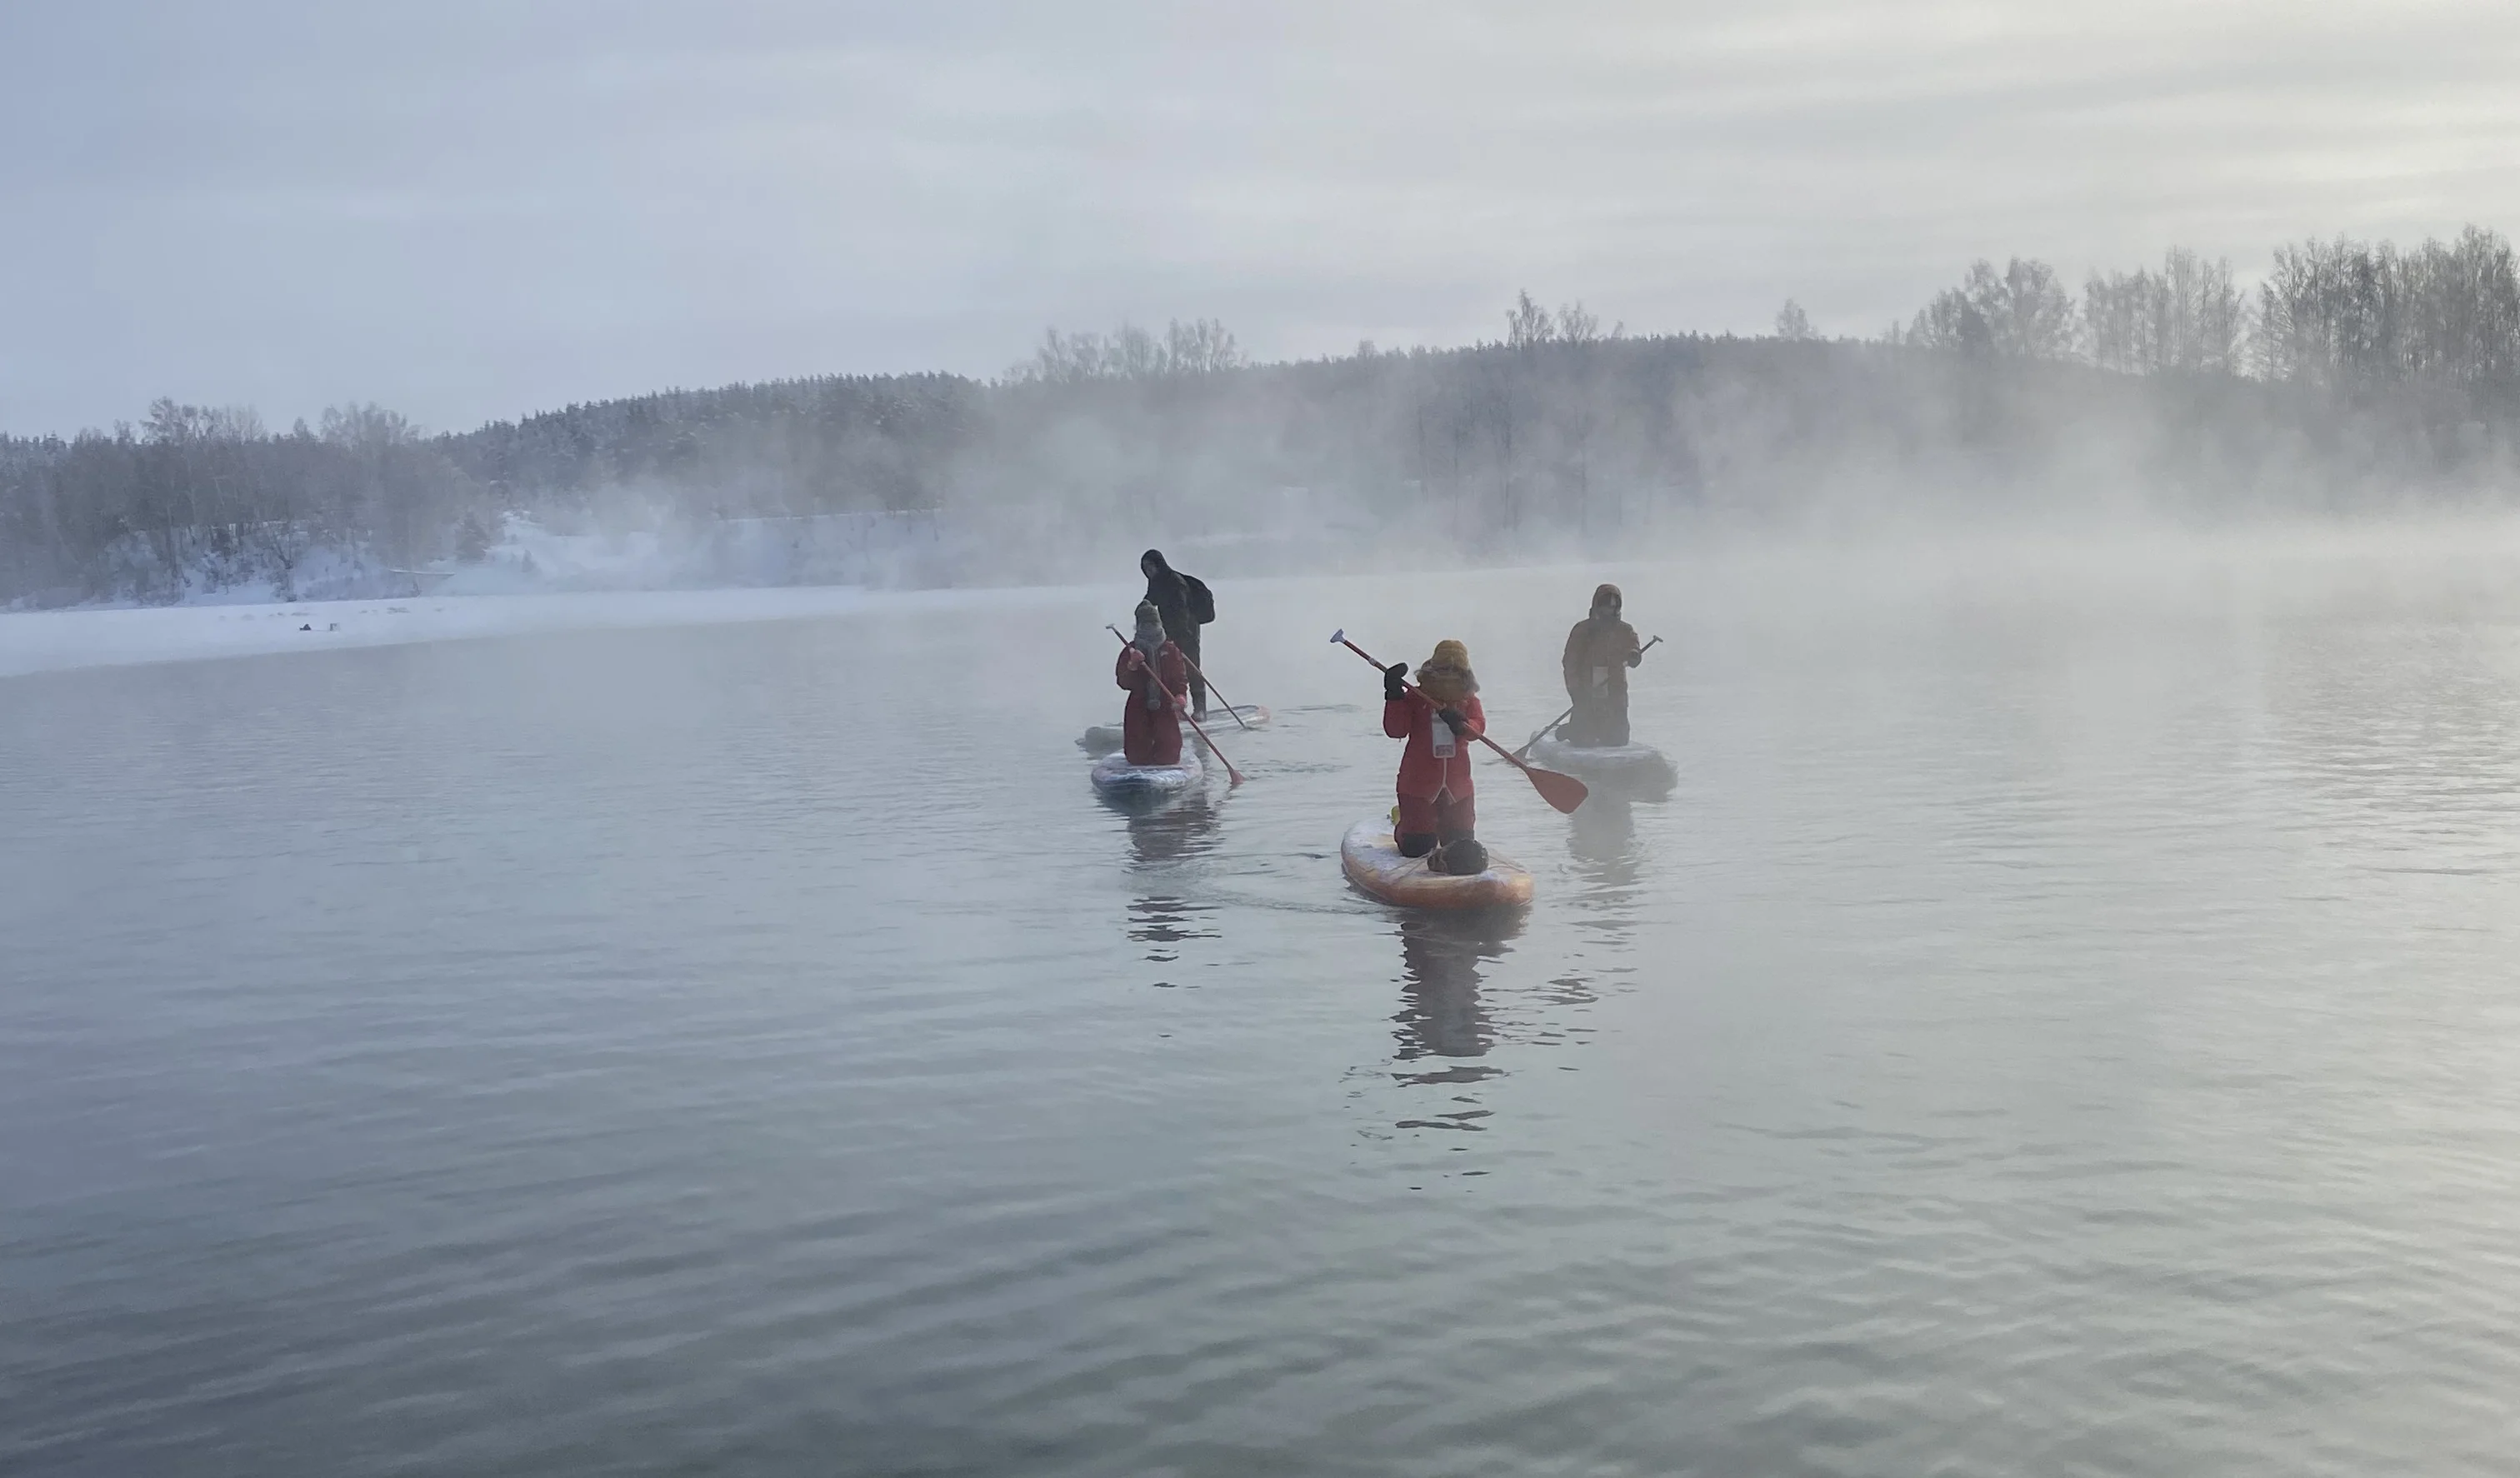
(1599, 650)
(1185, 604)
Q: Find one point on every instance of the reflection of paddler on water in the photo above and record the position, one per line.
(1164, 925)
(1168, 842)
(1602, 840)
(1441, 1015)
(1175, 834)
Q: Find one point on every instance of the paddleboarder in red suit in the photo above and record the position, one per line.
(1438, 798)
(1151, 669)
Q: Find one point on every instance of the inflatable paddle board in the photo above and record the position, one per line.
(1118, 779)
(1221, 726)
(1630, 767)
(1103, 738)
(1372, 861)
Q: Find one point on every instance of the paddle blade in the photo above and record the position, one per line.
(1564, 791)
(1233, 777)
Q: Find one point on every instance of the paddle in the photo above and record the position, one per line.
(1570, 708)
(1211, 684)
(1232, 776)
(1564, 791)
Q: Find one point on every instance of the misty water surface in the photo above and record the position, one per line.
(2063, 1020)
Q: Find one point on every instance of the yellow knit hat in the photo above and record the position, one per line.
(1447, 676)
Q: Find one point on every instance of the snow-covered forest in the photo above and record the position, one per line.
(2350, 376)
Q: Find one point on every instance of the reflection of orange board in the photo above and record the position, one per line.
(1375, 865)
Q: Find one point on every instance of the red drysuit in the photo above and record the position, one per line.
(1437, 795)
(1150, 733)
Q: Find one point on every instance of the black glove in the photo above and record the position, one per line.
(1453, 720)
(1395, 682)
(1635, 658)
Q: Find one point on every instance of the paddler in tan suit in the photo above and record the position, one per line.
(1599, 650)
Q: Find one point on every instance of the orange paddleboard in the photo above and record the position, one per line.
(1372, 861)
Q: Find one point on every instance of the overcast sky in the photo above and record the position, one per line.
(475, 209)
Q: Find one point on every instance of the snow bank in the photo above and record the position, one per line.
(897, 551)
(276, 565)
(50, 640)
(54, 640)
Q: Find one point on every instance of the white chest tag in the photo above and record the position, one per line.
(1442, 734)
(1600, 677)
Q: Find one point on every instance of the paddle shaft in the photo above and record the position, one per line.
(1564, 791)
(1232, 776)
(1211, 683)
(1570, 708)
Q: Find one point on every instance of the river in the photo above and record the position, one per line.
(2063, 1020)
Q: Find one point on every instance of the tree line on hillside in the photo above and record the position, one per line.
(193, 498)
(2353, 371)
(2341, 314)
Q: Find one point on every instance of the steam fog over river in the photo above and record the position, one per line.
(2062, 1021)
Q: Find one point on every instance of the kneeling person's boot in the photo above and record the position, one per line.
(1417, 844)
(1464, 858)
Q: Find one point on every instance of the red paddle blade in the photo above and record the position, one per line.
(1233, 777)
(1564, 791)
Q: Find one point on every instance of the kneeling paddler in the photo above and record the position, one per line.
(1438, 814)
(1599, 650)
(1151, 669)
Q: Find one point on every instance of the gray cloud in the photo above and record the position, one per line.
(478, 208)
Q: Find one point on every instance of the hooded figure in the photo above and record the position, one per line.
(1150, 637)
(1150, 668)
(1599, 650)
(1438, 813)
(1186, 604)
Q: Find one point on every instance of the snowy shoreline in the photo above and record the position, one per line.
(2477, 552)
(62, 640)
(56, 641)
